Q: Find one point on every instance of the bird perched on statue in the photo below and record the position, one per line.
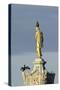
(24, 68)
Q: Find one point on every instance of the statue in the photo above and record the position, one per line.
(38, 75)
(39, 40)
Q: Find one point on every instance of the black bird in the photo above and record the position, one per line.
(24, 68)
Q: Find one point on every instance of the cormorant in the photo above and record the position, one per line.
(24, 68)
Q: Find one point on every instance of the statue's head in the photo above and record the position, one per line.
(37, 24)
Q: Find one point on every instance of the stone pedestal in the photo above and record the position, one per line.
(38, 74)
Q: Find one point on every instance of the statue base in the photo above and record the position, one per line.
(37, 76)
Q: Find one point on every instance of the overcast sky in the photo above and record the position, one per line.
(23, 20)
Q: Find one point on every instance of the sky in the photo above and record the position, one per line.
(23, 21)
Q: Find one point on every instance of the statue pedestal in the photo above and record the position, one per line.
(38, 71)
(38, 74)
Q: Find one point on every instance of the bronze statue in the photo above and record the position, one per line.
(39, 40)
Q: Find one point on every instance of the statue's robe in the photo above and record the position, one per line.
(39, 42)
